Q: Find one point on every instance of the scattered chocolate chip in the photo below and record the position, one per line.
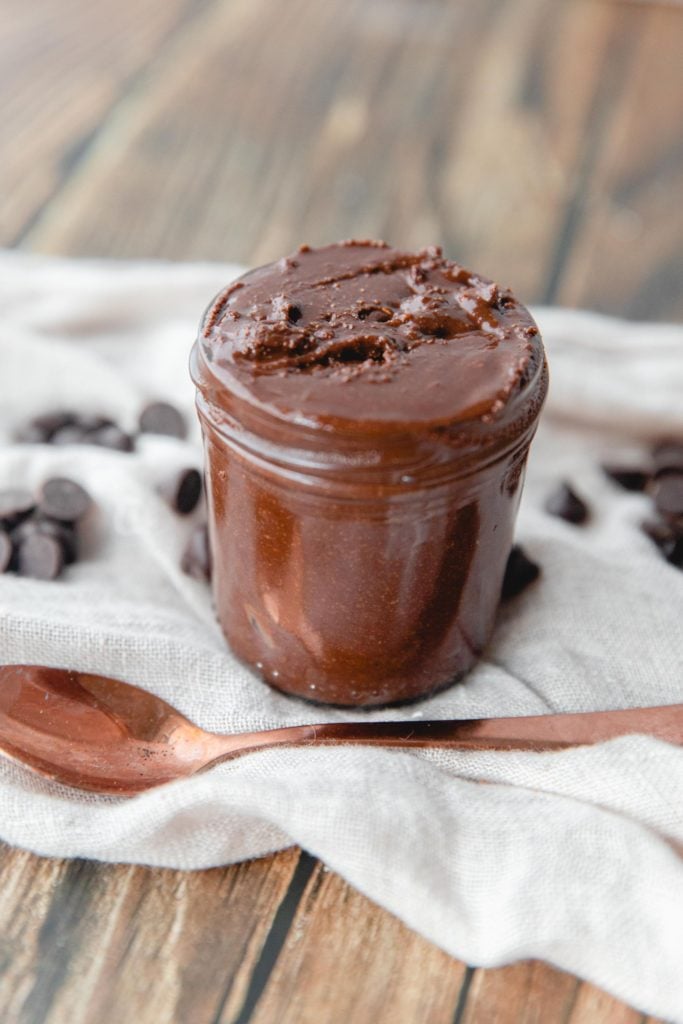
(111, 436)
(667, 493)
(64, 500)
(15, 504)
(63, 533)
(42, 428)
(89, 422)
(6, 550)
(70, 434)
(630, 478)
(674, 553)
(75, 428)
(40, 557)
(668, 457)
(520, 571)
(658, 532)
(31, 434)
(183, 491)
(565, 503)
(162, 418)
(196, 560)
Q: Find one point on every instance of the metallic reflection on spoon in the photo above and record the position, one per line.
(100, 734)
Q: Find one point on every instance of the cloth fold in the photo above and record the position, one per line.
(569, 857)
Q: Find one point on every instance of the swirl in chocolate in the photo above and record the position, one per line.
(358, 332)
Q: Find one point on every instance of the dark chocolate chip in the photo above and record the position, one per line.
(628, 477)
(42, 428)
(196, 560)
(70, 434)
(6, 550)
(63, 533)
(64, 500)
(660, 533)
(16, 504)
(565, 503)
(40, 557)
(184, 491)
(162, 418)
(668, 457)
(520, 571)
(667, 493)
(674, 553)
(111, 436)
(29, 433)
(88, 422)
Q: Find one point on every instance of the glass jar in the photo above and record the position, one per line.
(355, 568)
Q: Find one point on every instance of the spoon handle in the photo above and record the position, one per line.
(537, 732)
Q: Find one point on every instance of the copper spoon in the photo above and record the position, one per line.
(100, 734)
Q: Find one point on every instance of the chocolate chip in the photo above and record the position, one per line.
(668, 457)
(71, 434)
(520, 571)
(89, 422)
(163, 418)
(111, 436)
(183, 491)
(630, 478)
(196, 560)
(64, 500)
(41, 428)
(15, 504)
(31, 434)
(40, 557)
(658, 532)
(674, 554)
(667, 493)
(565, 503)
(63, 533)
(6, 550)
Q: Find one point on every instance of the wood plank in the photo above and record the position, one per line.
(535, 993)
(62, 67)
(347, 960)
(234, 147)
(629, 249)
(84, 942)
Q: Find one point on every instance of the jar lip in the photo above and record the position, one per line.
(397, 460)
(228, 394)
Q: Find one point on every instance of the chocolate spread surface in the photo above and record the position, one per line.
(359, 332)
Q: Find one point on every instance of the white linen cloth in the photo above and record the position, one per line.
(568, 856)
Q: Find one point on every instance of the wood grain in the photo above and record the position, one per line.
(534, 993)
(62, 67)
(231, 147)
(632, 215)
(85, 942)
(537, 140)
(345, 961)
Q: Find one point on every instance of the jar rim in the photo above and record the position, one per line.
(436, 453)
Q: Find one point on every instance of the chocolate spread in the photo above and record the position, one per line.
(367, 415)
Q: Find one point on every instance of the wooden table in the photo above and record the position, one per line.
(537, 140)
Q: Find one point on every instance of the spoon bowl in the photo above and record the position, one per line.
(100, 734)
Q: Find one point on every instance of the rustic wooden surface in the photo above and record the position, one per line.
(538, 140)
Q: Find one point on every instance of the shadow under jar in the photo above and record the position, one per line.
(367, 415)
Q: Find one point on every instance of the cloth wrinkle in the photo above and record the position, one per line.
(573, 857)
